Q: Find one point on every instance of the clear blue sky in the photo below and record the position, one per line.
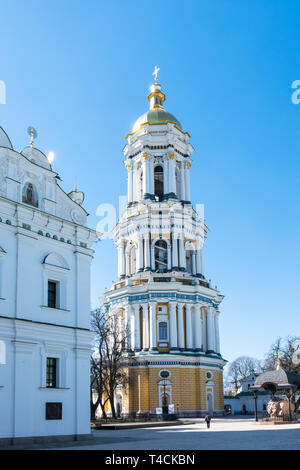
(80, 71)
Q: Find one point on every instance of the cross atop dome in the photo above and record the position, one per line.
(156, 70)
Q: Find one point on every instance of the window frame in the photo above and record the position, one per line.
(54, 368)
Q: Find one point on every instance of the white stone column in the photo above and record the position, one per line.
(169, 257)
(210, 329)
(182, 182)
(152, 257)
(145, 173)
(137, 330)
(182, 259)
(172, 176)
(181, 344)
(147, 266)
(134, 182)
(127, 327)
(199, 265)
(130, 181)
(140, 255)
(152, 326)
(174, 252)
(187, 183)
(121, 258)
(204, 328)
(151, 176)
(193, 253)
(173, 327)
(127, 263)
(166, 177)
(189, 327)
(197, 328)
(145, 328)
(217, 333)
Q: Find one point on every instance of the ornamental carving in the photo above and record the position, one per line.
(145, 156)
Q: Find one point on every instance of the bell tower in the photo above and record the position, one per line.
(161, 294)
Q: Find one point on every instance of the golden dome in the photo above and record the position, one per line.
(156, 114)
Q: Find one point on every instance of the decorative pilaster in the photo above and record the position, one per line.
(187, 182)
(140, 257)
(127, 327)
(174, 252)
(145, 328)
(182, 259)
(182, 182)
(130, 182)
(152, 326)
(199, 267)
(189, 328)
(217, 333)
(147, 254)
(197, 328)
(172, 176)
(146, 171)
(210, 330)
(173, 327)
(193, 262)
(137, 330)
(121, 259)
(181, 344)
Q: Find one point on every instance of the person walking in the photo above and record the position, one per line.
(207, 419)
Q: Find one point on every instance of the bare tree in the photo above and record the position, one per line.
(239, 369)
(288, 348)
(107, 362)
(288, 351)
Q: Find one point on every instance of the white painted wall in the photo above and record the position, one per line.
(29, 329)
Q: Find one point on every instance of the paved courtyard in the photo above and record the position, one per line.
(227, 433)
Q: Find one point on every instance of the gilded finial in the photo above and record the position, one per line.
(278, 367)
(156, 70)
(33, 134)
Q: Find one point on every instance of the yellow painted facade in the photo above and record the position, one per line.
(187, 387)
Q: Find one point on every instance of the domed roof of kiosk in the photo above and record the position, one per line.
(156, 114)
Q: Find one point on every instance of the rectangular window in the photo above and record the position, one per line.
(52, 294)
(163, 331)
(51, 372)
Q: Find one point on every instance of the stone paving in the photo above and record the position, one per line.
(225, 433)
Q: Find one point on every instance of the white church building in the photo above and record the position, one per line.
(45, 337)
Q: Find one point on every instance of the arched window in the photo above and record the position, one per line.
(163, 331)
(161, 256)
(159, 182)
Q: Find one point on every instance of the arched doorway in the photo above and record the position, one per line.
(159, 182)
(209, 403)
(165, 400)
